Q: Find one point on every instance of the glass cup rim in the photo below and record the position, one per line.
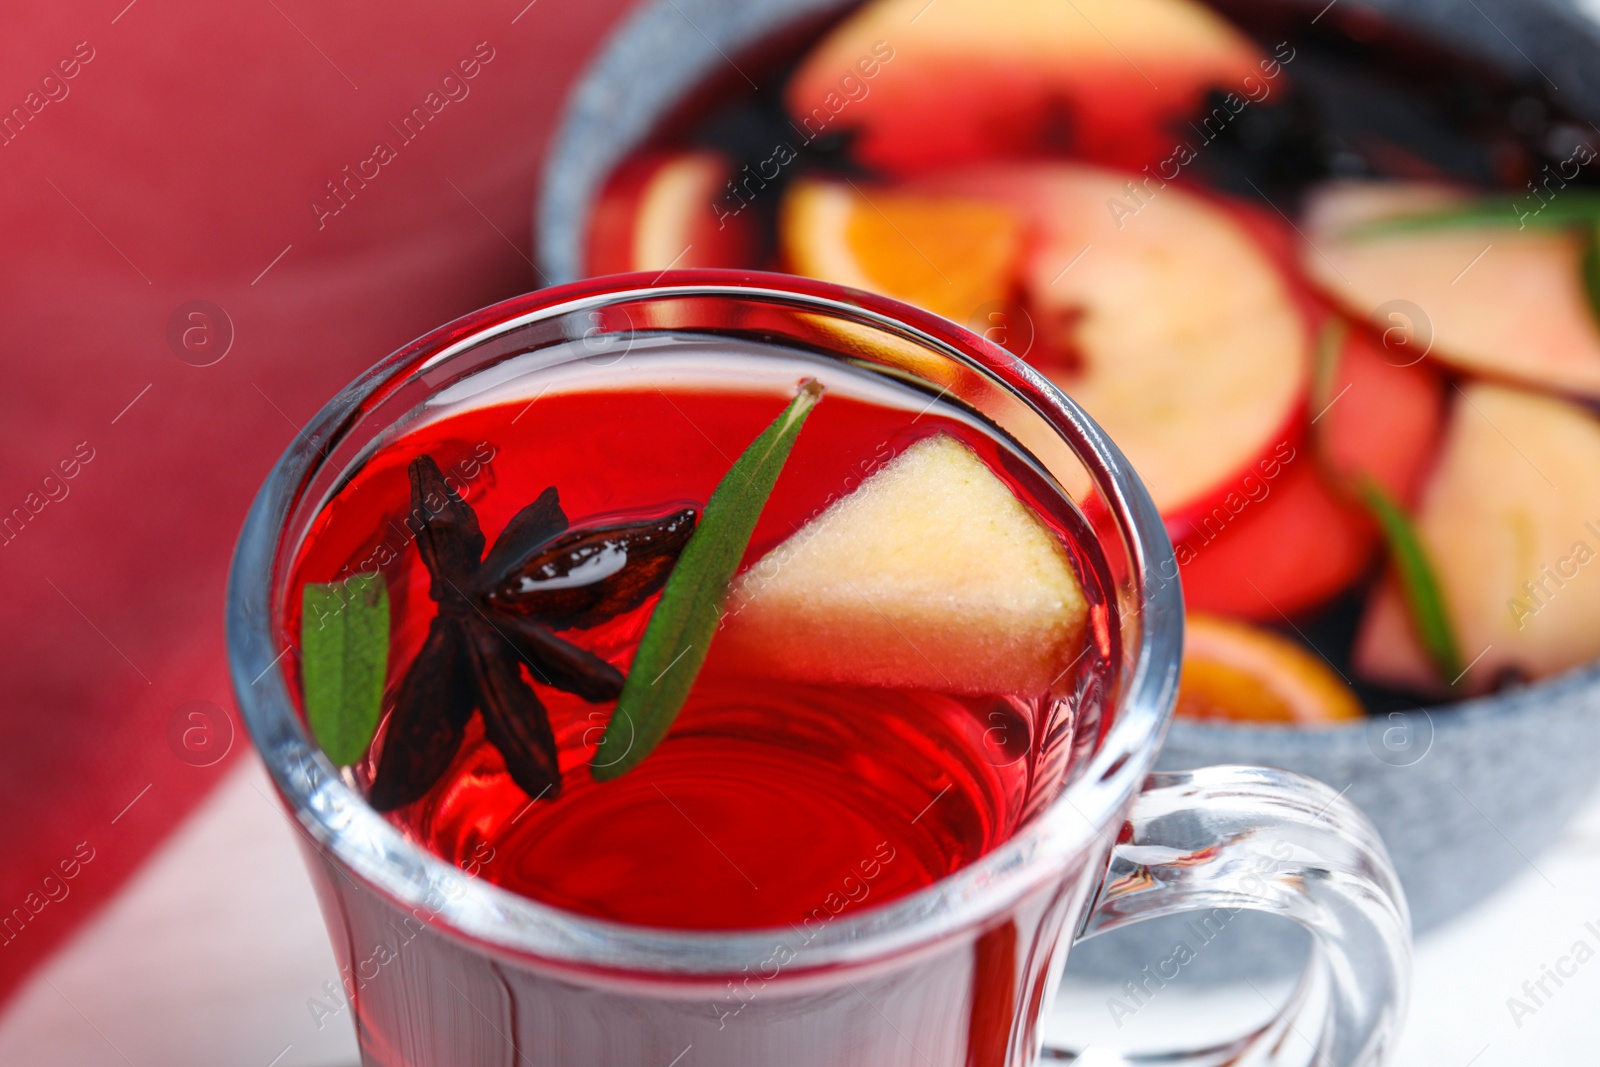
(339, 822)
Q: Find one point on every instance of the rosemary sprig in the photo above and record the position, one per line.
(1574, 208)
(1325, 368)
(1590, 266)
(1419, 586)
(685, 619)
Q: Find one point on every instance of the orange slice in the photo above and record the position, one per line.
(1235, 672)
(948, 255)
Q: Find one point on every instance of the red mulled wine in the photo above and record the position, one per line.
(772, 800)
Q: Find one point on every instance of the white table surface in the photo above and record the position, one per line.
(209, 956)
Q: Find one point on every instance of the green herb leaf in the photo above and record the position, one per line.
(1419, 586)
(685, 619)
(1574, 207)
(344, 649)
(1591, 268)
(1330, 344)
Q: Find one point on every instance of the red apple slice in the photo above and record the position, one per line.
(1494, 300)
(1280, 546)
(1284, 539)
(931, 574)
(1511, 519)
(662, 210)
(926, 85)
(1383, 415)
(1160, 314)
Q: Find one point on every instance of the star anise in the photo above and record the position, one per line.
(500, 613)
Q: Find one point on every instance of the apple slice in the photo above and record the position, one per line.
(1511, 519)
(1498, 301)
(924, 86)
(931, 574)
(1168, 321)
(1235, 672)
(1282, 545)
(1283, 539)
(947, 255)
(1383, 415)
(661, 210)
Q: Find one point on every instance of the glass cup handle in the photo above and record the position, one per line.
(1273, 841)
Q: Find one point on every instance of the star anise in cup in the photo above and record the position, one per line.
(501, 612)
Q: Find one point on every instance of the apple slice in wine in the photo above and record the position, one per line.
(931, 574)
(1285, 538)
(922, 86)
(1511, 519)
(1494, 301)
(1167, 320)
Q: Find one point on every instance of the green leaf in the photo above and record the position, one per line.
(1330, 343)
(1575, 207)
(1419, 586)
(685, 619)
(1591, 268)
(344, 654)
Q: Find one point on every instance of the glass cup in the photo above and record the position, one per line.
(443, 969)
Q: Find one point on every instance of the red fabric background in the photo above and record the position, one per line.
(184, 158)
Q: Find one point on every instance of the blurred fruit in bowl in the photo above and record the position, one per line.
(1239, 673)
(1512, 520)
(949, 255)
(1170, 325)
(1289, 546)
(1504, 300)
(657, 211)
(1288, 536)
(1272, 343)
(954, 83)
(1379, 413)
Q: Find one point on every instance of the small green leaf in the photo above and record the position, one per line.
(1330, 343)
(685, 619)
(1591, 268)
(1419, 586)
(344, 650)
(1575, 207)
